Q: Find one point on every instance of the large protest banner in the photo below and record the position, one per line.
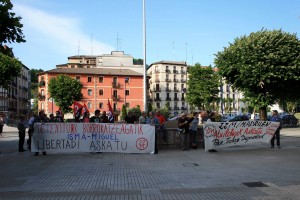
(93, 137)
(225, 134)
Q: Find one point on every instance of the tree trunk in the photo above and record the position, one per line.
(263, 113)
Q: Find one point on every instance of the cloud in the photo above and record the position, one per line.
(61, 33)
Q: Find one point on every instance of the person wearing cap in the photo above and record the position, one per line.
(275, 118)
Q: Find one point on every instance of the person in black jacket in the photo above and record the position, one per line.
(22, 130)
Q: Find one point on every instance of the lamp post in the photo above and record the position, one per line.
(144, 63)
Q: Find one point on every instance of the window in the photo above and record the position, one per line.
(127, 105)
(72, 66)
(115, 106)
(127, 79)
(127, 92)
(100, 105)
(89, 79)
(101, 92)
(42, 92)
(174, 68)
(77, 78)
(115, 79)
(89, 105)
(157, 105)
(100, 79)
(90, 92)
(115, 93)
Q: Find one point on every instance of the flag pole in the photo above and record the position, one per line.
(144, 49)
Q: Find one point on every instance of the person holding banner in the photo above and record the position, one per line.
(153, 121)
(275, 118)
(193, 129)
(41, 118)
(143, 118)
(96, 118)
(22, 132)
(103, 117)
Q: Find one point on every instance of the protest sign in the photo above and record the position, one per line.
(93, 137)
(225, 134)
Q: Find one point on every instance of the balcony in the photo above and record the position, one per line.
(157, 99)
(41, 97)
(156, 71)
(176, 108)
(176, 99)
(41, 83)
(157, 81)
(183, 108)
(168, 71)
(168, 89)
(182, 71)
(168, 99)
(115, 85)
(156, 90)
(175, 80)
(175, 89)
(115, 97)
(168, 80)
(183, 80)
(175, 71)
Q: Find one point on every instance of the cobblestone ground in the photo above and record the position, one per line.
(244, 172)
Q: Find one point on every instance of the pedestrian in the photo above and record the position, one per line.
(30, 130)
(130, 118)
(183, 126)
(51, 118)
(96, 117)
(110, 117)
(58, 117)
(22, 132)
(143, 118)
(153, 121)
(211, 118)
(103, 117)
(1, 125)
(162, 127)
(275, 118)
(193, 129)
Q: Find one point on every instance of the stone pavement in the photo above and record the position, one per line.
(249, 172)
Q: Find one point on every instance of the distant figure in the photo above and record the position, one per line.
(96, 118)
(86, 117)
(130, 118)
(183, 126)
(153, 121)
(22, 131)
(103, 117)
(143, 118)
(51, 120)
(162, 127)
(1, 125)
(58, 118)
(275, 118)
(193, 130)
(110, 117)
(211, 117)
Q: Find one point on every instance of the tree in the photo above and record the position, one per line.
(10, 31)
(65, 90)
(34, 81)
(11, 27)
(265, 66)
(136, 111)
(203, 86)
(123, 112)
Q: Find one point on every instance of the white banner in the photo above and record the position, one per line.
(225, 134)
(93, 137)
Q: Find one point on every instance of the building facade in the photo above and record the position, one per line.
(168, 84)
(120, 86)
(15, 101)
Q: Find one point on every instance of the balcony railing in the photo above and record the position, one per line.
(168, 71)
(175, 71)
(168, 80)
(157, 99)
(168, 89)
(175, 80)
(156, 90)
(115, 97)
(41, 83)
(175, 89)
(156, 71)
(115, 85)
(156, 80)
(176, 108)
(176, 99)
(183, 108)
(182, 71)
(168, 99)
(183, 81)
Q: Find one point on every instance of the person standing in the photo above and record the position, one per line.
(130, 118)
(143, 118)
(58, 117)
(110, 117)
(275, 118)
(96, 118)
(193, 130)
(153, 121)
(162, 127)
(183, 125)
(30, 130)
(41, 118)
(103, 117)
(22, 131)
(86, 117)
(1, 125)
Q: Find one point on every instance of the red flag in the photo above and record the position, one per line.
(109, 106)
(77, 110)
(85, 109)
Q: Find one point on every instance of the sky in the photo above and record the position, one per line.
(176, 30)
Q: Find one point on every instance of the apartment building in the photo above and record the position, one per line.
(168, 85)
(15, 101)
(120, 86)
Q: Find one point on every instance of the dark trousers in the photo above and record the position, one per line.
(277, 136)
(21, 140)
(185, 140)
(30, 131)
(1, 128)
(155, 142)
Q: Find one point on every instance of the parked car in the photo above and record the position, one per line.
(289, 121)
(239, 118)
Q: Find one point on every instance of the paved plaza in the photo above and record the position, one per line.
(254, 171)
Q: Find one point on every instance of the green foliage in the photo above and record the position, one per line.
(35, 106)
(65, 90)
(265, 66)
(34, 81)
(203, 86)
(10, 25)
(150, 108)
(124, 112)
(9, 68)
(136, 111)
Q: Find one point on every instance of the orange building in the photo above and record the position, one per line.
(120, 86)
